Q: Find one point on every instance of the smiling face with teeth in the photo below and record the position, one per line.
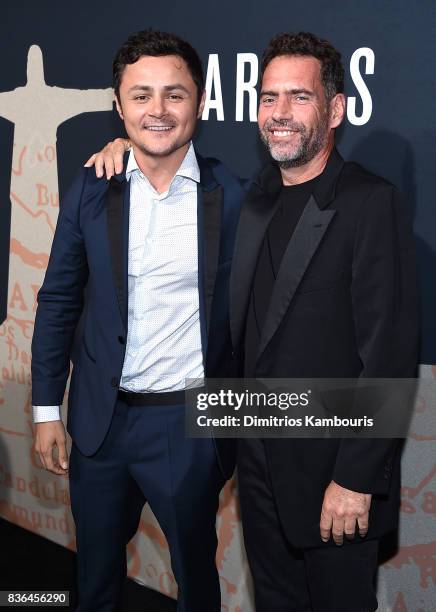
(158, 102)
(295, 117)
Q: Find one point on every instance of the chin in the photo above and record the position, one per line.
(280, 154)
(159, 151)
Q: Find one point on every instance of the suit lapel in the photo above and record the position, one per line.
(118, 236)
(209, 217)
(212, 216)
(304, 242)
(209, 221)
(256, 213)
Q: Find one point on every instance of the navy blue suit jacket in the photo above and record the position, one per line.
(82, 304)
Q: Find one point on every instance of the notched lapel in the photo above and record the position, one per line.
(301, 248)
(116, 223)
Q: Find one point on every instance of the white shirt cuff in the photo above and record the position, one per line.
(41, 414)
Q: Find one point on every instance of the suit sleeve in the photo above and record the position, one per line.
(60, 302)
(385, 306)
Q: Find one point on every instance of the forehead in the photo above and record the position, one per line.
(157, 71)
(292, 71)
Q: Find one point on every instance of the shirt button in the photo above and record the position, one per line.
(114, 381)
(121, 340)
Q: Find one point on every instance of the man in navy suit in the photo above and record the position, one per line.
(136, 295)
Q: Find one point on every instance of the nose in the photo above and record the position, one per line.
(282, 109)
(157, 107)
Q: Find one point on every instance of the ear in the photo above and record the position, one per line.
(337, 110)
(201, 105)
(119, 109)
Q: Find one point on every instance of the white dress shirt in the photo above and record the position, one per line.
(163, 346)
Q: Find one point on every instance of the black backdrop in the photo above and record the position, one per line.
(79, 39)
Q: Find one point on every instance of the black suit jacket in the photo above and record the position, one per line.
(344, 305)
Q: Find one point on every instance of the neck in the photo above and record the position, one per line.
(160, 171)
(313, 168)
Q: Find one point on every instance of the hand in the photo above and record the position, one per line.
(109, 159)
(341, 509)
(50, 437)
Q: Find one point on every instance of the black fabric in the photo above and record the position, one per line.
(292, 200)
(257, 211)
(213, 203)
(323, 578)
(344, 304)
(115, 215)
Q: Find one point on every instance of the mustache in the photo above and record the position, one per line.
(287, 124)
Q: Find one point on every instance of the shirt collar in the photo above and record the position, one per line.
(188, 168)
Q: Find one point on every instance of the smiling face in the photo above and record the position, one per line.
(159, 106)
(295, 118)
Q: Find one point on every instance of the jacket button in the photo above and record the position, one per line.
(121, 340)
(114, 381)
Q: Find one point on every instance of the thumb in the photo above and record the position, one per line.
(63, 456)
(90, 162)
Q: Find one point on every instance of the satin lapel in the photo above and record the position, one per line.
(257, 211)
(117, 224)
(212, 216)
(303, 245)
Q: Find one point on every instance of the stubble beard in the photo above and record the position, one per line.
(156, 150)
(311, 142)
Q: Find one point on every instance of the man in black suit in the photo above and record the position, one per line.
(323, 285)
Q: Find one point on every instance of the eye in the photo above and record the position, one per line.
(175, 97)
(267, 101)
(302, 98)
(141, 98)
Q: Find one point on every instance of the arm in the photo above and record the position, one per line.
(60, 302)
(385, 306)
(110, 158)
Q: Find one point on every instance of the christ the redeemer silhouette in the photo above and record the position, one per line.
(37, 110)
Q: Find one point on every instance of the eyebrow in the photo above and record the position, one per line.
(294, 91)
(149, 88)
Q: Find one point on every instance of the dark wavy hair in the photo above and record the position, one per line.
(156, 43)
(307, 44)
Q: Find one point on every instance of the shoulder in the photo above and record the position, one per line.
(85, 196)
(86, 183)
(222, 173)
(371, 199)
(365, 186)
(234, 188)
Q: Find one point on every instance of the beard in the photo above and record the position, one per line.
(311, 142)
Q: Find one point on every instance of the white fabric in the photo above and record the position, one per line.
(42, 414)
(164, 338)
